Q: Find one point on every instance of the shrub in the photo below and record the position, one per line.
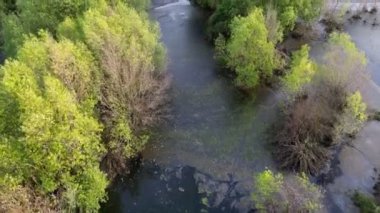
(302, 70)
(353, 116)
(294, 193)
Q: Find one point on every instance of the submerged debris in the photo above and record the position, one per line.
(373, 10)
(356, 17)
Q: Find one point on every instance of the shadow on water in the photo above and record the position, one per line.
(153, 189)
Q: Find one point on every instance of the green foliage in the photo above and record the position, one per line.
(209, 4)
(12, 34)
(35, 15)
(353, 116)
(302, 70)
(356, 106)
(139, 5)
(249, 52)
(288, 18)
(274, 193)
(365, 203)
(225, 12)
(220, 50)
(47, 14)
(46, 112)
(308, 10)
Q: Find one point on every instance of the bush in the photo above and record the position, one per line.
(302, 70)
(294, 193)
(353, 116)
(249, 52)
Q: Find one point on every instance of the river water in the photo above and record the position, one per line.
(204, 157)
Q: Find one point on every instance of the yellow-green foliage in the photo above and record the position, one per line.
(56, 144)
(356, 106)
(249, 52)
(302, 70)
(353, 116)
(34, 15)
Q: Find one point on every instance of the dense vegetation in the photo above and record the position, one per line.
(251, 55)
(82, 82)
(247, 32)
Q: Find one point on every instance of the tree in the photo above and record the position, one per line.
(294, 193)
(302, 70)
(249, 52)
(56, 143)
(131, 57)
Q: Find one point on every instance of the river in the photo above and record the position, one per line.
(204, 157)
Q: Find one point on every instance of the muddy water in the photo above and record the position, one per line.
(204, 157)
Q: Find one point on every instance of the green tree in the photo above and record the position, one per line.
(225, 12)
(55, 144)
(249, 52)
(127, 46)
(302, 70)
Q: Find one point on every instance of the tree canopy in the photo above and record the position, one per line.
(46, 156)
